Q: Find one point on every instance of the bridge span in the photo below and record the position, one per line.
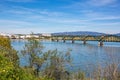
(85, 38)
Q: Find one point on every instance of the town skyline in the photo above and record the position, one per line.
(45, 16)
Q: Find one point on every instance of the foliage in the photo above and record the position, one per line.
(53, 61)
(49, 65)
(34, 51)
(7, 50)
(5, 42)
(56, 64)
(9, 67)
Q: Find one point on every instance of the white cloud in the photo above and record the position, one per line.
(92, 15)
(18, 10)
(22, 18)
(21, 0)
(14, 22)
(106, 24)
(106, 18)
(42, 15)
(89, 4)
(101, 2)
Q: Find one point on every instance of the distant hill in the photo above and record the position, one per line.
(118, 34)
(77, 33)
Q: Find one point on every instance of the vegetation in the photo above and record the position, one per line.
(9, 63)
(52, 61)
(35, 55)
(5, 42)
(49, 65)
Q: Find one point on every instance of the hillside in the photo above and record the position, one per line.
(118, 34)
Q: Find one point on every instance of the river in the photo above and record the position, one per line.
(84, 56)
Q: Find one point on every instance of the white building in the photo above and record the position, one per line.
(46, 34)
(29, 36)
(5, 35)
(23, 36)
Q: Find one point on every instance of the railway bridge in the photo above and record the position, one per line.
(101, 39)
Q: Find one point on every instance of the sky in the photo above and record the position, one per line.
(49, 16)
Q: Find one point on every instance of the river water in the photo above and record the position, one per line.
(83, 56)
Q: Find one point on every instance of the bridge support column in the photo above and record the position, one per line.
(57, 40)
(84, 42)
(73, 41)
(100, 43)
(64, 41)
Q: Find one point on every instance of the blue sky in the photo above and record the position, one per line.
(47, 16)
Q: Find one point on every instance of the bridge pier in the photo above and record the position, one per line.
(64, 41)
(100, 43)
(84, 42)
(73, 41)
(57, 40)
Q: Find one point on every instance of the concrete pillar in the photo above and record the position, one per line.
(72, 41)
(84, 42)
(57, 40)
(100, 43)
(64, 41)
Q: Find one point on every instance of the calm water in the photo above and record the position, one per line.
(84, 56)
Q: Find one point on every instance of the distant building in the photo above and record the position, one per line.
(33, 35)
(28, 36)
(5, 35)
(46, 34)
(22, 36)
(36, 36)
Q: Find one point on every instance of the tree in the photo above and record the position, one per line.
(5, 42)
(9, 65)
(7, 50)
(54, 62)
(33, 49)
(56, 65)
